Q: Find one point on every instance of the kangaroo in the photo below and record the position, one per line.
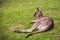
(41, 23)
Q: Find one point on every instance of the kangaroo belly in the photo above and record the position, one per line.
(43, 27)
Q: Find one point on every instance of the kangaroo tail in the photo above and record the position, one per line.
(32, 34)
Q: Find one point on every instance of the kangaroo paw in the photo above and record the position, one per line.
(18, 31)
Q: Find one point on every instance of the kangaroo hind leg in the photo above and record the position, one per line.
(28, 30)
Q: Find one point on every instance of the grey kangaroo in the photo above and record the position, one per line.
(41, 23)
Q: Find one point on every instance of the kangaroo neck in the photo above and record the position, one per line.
(39, 17)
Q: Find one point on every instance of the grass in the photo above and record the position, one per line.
(15, 12)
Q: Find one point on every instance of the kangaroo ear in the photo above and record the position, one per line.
(38, 9)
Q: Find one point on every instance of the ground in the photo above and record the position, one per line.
(19, 13)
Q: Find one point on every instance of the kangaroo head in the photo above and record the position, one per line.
(38, 9)
(38, 13)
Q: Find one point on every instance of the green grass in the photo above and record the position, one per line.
(15, 12)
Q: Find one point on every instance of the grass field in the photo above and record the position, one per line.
(14, 12)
